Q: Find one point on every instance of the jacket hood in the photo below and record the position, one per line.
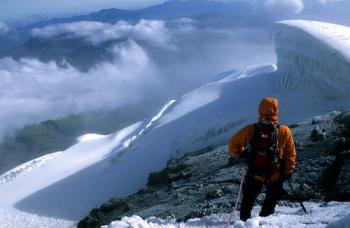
(268, 110)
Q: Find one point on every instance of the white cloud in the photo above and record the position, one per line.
(312, 3)
(3, 28)
(286, 6)
(32, 91)
(280, 6)
(182, 25)
(152, 31)
(36, 91)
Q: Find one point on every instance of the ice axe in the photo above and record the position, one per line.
(298, 196)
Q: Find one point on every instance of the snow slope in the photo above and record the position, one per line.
(26, 167)
(314, 55)
(65, 186)
(100, 167)
(97, 168)
(285, 216)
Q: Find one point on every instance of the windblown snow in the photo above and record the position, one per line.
(90, 137)
(69, 184)
(337, 37)
(314, 55)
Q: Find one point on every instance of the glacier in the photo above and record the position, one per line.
(313, 55)
(311, 78)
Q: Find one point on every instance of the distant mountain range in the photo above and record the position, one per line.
(169, 10)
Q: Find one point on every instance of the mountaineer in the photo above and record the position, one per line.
(271, 155)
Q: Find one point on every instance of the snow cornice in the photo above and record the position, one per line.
(335, 36)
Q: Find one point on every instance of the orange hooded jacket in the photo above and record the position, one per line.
(268, 110)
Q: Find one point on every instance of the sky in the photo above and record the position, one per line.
(16, 9)
(20, 8)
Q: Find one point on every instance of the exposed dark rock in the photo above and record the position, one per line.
(168, 175)
(317, 134)
(293, 126)
(342, 184)
(214, 194)
(201, 184)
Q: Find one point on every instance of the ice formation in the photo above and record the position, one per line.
(313, 55)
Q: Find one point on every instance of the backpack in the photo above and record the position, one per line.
(262, 153)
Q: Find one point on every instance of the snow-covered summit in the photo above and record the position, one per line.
(335, 36)
(313, 55)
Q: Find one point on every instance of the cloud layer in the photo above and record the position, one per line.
(294, 6)
(3, 28)
(37, 91)
(32, 90)
(151, 60)
(286, 6)
(151, 31)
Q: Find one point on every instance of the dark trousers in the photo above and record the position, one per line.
(251, 190)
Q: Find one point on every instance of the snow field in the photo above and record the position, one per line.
(318, 216)
(12, 218)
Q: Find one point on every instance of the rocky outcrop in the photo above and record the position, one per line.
(207, 182)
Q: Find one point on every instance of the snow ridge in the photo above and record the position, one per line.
(313, 55)
(132, 140)
(26, 167)
(90, 137)
(157, 117)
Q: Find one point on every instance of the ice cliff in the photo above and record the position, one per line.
(313, 55)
